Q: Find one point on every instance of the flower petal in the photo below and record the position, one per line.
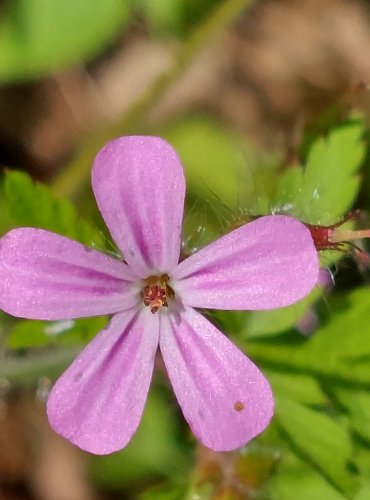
(98, 402)
(224, 397)
(46, 276)
(139, 187)
(268, 263)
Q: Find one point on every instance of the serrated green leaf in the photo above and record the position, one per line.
(34, 205)
(39, 36)
(289, 185)
(330, 182)
(30, 334)
(320, 440)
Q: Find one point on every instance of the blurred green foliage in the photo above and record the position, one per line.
(27, 334)
(320, 439)
(40, 36)
(296, 478)
(177, 17)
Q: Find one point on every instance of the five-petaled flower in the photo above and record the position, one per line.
(98, 402)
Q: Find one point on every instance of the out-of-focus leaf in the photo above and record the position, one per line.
(320, 440)
(364, 493)
(39, 36)
(287, 356)
(28, 334)
(340, 348)
(296, 386)
(27, 370)
(357, 403)
(275, 322)
(363, 460)
(162, 16)
(330, 182)
(295, 479)
(363, 463)
(165, 491)
(34, 205)
(347, 335)
(232, 322)
(153, 451)
(177, 16)
(221, 162)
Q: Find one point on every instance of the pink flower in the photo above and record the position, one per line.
(98, 402)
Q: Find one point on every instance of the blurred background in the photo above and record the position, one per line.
(267, 103)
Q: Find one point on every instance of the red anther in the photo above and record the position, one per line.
(157, 292)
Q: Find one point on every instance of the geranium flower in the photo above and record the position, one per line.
(98, 402)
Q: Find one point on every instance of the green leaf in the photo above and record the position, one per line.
(29, 333)
(364, 493)
(290, 183)
(34, 205)
(330, 182)
(176, 16)
(296, 386)
(363, 459)
(357, 403)
(274, 322)
(340, 348)
(166, 491)
(347, 335)
(39, 36)
(162, 16)
(295, 479)
(221, 162)
(320, 440)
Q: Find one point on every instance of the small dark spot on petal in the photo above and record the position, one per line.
(239, 406)
(78, 377)
(88, 249)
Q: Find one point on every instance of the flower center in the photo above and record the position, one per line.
(157, 292)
